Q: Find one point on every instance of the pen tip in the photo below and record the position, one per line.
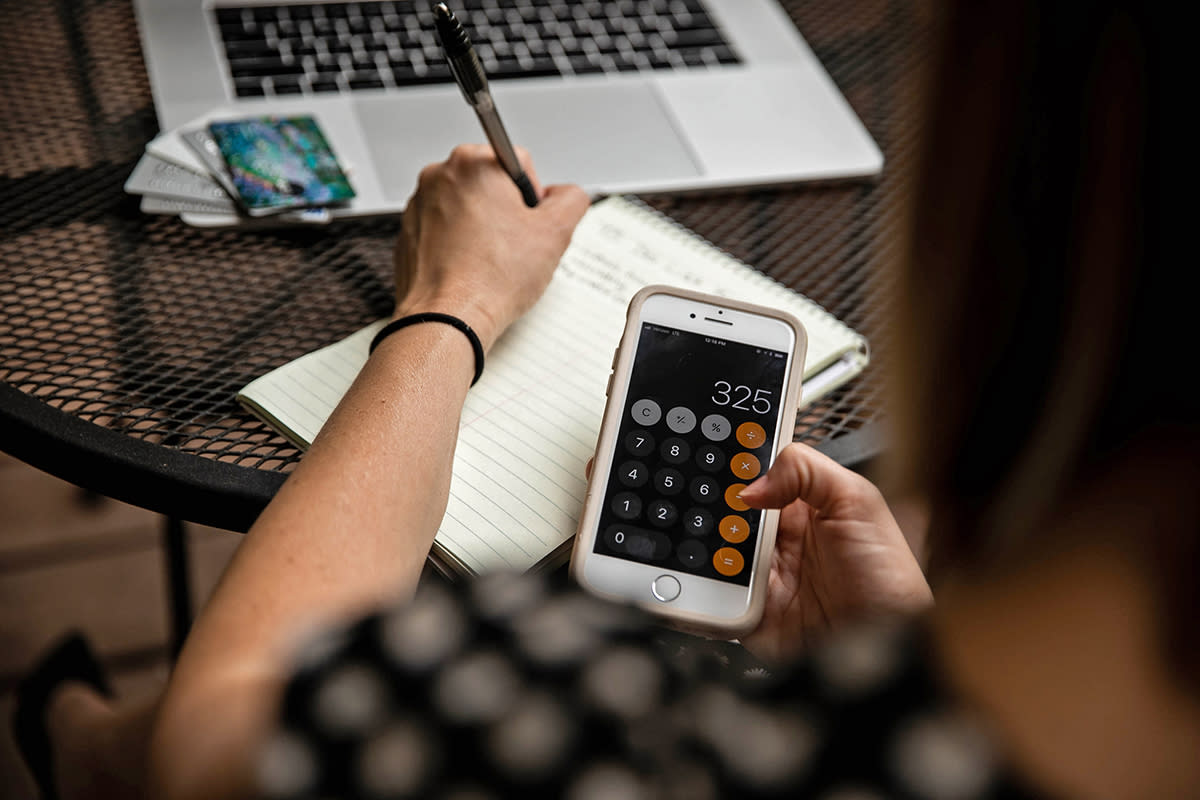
(442, 10)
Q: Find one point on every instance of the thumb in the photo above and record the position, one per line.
(800, 472)
(566, 201)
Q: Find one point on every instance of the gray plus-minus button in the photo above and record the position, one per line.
(681, 420)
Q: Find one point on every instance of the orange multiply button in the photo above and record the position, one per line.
(728, 562)
(731, 497)
(745, 466)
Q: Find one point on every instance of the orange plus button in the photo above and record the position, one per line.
(734, 529)
(731, 497)
(751, 435)
(728, 562)
(745, 466)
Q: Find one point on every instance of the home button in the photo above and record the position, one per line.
(665, 588)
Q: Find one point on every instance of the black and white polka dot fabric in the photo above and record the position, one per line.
(513, 689)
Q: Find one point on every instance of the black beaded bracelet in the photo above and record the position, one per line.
(432, 316)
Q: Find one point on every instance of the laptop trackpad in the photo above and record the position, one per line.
(593, 135)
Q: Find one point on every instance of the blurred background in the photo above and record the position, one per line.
(70, 559)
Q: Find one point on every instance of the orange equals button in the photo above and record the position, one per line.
(728, 562)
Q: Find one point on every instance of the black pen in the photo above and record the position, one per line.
(468, 73)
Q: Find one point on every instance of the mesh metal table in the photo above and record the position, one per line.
(124, 337)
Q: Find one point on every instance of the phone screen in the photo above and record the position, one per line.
(698, 424)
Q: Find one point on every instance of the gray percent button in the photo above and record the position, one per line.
(681, 420)
(716, 427)
(646, 412)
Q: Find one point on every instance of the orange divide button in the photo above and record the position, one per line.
(732, 500)
(728, 562)
(751, 435)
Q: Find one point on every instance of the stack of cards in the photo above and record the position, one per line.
(237, 171)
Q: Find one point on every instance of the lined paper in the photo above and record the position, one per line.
(530, 424)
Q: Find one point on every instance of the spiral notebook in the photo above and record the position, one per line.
(530, 424)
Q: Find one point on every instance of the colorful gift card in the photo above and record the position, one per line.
(278, 163)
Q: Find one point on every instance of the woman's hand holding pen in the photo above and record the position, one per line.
(470, 247)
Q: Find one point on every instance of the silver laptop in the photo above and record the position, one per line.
(616, 95)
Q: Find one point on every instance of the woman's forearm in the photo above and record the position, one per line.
(349, 530)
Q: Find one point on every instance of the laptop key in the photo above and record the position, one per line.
(697, 37)
(325, 84)
(504, 67)
(726, 55)
(286, 84)
(365, 81)
(247, 48)
(228, 16)
(660, 61)
(262, 67)
(413, 79)
(249, 87)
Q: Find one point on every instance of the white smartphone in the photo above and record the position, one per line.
(703, 396)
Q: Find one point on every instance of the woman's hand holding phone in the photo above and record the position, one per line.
(839, 554)
(470, 247)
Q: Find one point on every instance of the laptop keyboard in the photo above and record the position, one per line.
(342, 47)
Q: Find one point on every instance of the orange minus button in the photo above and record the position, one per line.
(731, 497)
(728, 562)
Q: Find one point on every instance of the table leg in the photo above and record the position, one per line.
(179, 589)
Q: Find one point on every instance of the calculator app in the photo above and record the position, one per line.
(698, 425)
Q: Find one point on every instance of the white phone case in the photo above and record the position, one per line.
(680, 616)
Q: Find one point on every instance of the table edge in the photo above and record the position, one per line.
(200, 490)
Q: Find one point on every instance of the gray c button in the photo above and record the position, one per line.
(646, 412)
(665, 588)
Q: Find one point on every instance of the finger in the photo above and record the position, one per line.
(426, 178)
(470, 152)
(566, 201)
(413, 208)
(410, 230)
(587, 470)
(800, 472)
